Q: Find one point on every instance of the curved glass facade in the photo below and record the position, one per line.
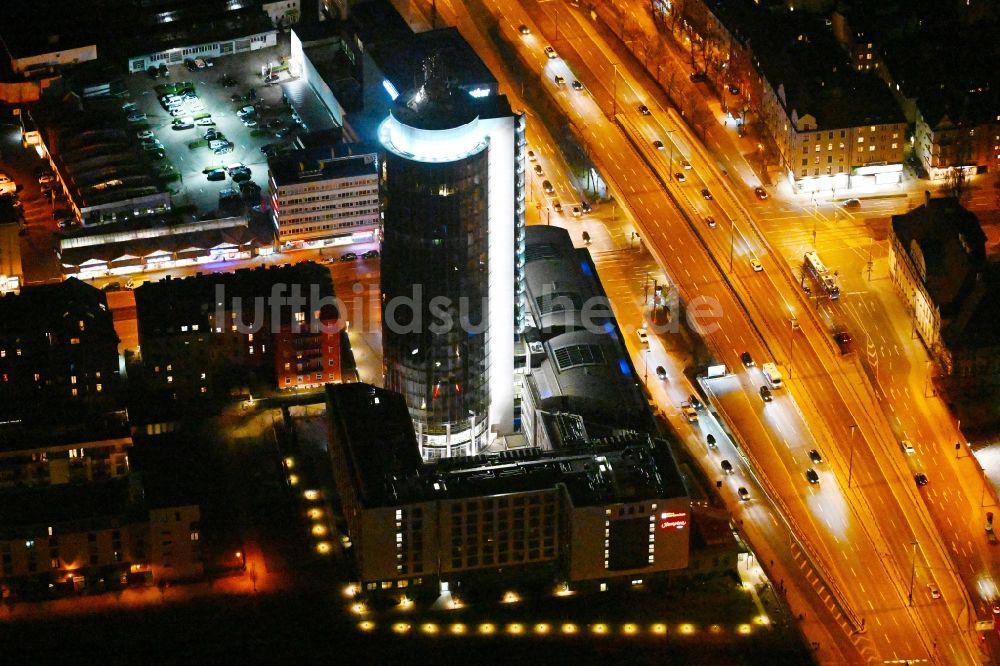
(435, 288)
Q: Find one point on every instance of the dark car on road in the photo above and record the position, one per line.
(747, 359)
(844, 342)
(216, 174)
(765, 394)
(349, 256)
(815, 456)
(370, 254)
(812, 476)
(920, 479)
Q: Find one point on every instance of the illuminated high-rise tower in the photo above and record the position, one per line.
(454, 215)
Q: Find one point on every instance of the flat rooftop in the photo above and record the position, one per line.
(375, 432)
(302, 166)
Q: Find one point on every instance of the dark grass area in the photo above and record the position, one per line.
(295, 627)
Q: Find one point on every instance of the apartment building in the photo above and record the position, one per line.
(937, 262)
(58, 353)
(834, 125)
(95, 536)
(275, 327)
(946, 86)
(322, 195)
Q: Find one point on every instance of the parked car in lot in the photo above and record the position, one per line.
(240, 175)
(136, 117)
(212, 134)
(249, 122)
(852, 203)
(142, 134)
(250, 191)
(205, 122)
(189, 64)
(224, 150)
(370, 254)
(283, 132)
(349, 256)
(216, 174)
(246, 111)
(177, 111)
(181, 126)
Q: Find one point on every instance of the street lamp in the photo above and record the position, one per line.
(913, 570)
(614, 91)
(791, 343)
(732, 241)
(850, 460)
(645, 366)
(670, 169)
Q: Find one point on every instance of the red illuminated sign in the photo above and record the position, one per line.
(673, 520)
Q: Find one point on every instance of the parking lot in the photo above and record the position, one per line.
(209, 99)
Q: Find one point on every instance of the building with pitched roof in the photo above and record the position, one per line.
(937, 261)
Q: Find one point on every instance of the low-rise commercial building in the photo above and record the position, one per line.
(609, 510)
(578, 381)
(325, 194)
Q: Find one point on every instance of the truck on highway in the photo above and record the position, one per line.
(772, 375)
